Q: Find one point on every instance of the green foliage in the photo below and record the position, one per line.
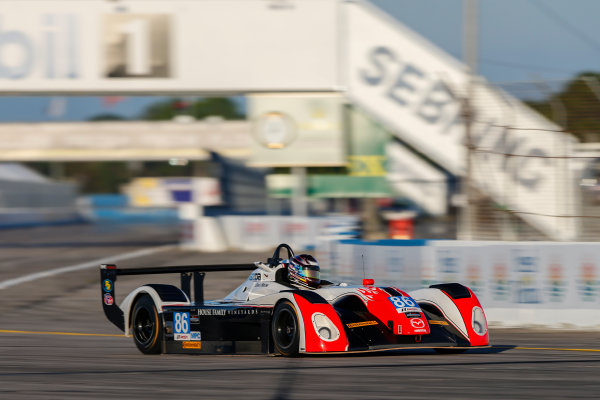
(199, 109)
(579, 101)
(98, 177)
(107, 177)
(106, 117)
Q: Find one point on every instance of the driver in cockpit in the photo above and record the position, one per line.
(304, 270)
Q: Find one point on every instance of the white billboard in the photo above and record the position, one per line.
(199, 46)
(417, 91)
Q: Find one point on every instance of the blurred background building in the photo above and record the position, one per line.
(300, 108)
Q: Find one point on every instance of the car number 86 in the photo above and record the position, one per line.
(182, 322)
(403, 301)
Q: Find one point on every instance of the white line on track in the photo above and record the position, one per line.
(77, 267)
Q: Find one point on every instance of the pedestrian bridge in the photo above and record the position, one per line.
(124, 140)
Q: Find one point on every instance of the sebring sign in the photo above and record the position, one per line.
(418, 91)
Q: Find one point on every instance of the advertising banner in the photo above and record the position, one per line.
(98, 46)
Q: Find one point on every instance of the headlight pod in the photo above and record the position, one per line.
(478, 321)
(325, 329)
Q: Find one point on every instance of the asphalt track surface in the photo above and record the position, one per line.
(56, 344)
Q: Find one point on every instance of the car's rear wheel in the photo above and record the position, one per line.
(285, 329)
(146, 326)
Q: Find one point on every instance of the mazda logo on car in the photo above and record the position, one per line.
(417, 323)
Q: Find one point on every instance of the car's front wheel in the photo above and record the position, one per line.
(285, 329)
(146, 326)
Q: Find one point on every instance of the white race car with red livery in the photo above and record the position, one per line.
(285, 308)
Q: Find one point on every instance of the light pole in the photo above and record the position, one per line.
(467, 217)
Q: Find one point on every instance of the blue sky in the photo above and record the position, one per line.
(519, 41)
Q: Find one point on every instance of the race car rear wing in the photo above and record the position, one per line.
(109, 273)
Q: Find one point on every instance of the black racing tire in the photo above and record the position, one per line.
(146, 326)
(449, 350)
(285, 329)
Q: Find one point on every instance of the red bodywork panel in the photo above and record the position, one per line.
(465, 306)
(406, 316)
(314, 344)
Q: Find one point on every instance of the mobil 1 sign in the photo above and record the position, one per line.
(418, 92)
(149, 46)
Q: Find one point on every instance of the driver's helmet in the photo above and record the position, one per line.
(304, 270)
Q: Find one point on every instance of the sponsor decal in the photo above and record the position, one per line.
(211, 311)
(399, 330)
(369, 293)
(420, 330)
(255, 276)
(182, 336)
(409, 310)
(107, 285)
(191, 345)
(195, 336)
(359, 324)
(404, 304)
(413, 315)
(417, 323)
(223, 311)
(434, 322)
(108, 299)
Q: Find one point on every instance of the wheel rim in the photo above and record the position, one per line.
(285, 328)
(143, 326)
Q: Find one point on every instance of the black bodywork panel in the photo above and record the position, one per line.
(454, 290)
(220, 330)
